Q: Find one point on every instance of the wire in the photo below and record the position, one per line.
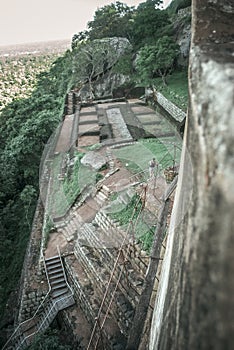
(110, 280)
(122, 268)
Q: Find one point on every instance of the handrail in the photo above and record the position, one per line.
(34, 315)
(54, 305)
(46, 299)
(65, 277)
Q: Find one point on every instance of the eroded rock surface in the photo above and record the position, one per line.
(195, 302)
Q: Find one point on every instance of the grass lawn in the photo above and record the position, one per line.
(177, 89)
(136, 157)
(64, 192)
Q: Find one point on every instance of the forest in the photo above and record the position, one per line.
(27, 121)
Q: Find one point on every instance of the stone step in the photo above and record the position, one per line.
(58, 275)
(100, 198)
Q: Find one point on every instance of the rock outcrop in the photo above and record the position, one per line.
(194, 308)
(93, 65)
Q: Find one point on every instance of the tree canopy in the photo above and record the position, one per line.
(157, 60)
(149, 23)
(114, 20)
(25, 126)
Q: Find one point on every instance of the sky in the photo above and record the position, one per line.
(26, 21)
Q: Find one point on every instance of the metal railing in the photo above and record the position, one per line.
(42, 318)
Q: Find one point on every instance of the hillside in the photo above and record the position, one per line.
(37, 48)
(20, 66)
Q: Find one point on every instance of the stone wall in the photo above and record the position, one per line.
(195, 303)
(167, 108)
(33, 281)
(175, 112)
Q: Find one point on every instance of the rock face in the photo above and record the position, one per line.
(182, 27)
(96, 68)
(195, 303)
(94, 160)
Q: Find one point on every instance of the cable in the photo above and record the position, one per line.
(122, 268)
(110, 280)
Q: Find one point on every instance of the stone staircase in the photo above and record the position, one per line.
(96, 249)
(69, 226)
(102, 195)
(59, 297)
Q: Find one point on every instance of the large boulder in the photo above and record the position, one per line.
(93, 63)
(94, 160)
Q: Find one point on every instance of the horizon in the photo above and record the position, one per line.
(25, 23)
(36, 42)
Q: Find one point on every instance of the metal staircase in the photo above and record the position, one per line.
(56, 277)
(59, 297)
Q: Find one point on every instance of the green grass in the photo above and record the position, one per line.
(177, 89)
(143, 233)
(136, 157)
(71, 182)
(129, 212)
(146, 237)
(48, 226)
(64, 192)
(94, 147)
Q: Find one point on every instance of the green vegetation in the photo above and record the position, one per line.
(49, 340)
(33, 95)
(113, 20)
(25, 126)
(136, 157)
(157, 60)
(143, 233)
(129, 212)
(149, 24)
(154, 50)
(177, 88)
(163, 152)
(18, 75)
(48, 227)
(65, 191)
(71, 181)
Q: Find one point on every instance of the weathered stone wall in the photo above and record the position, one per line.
(175, 112)
(167, 108)
(194, 307)
(33, 281)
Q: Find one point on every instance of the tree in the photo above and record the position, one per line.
(114, 20)
(95, 58)
(48, 341)
(157, 60)
(150, 23)
(79, 38)
(25, 126)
